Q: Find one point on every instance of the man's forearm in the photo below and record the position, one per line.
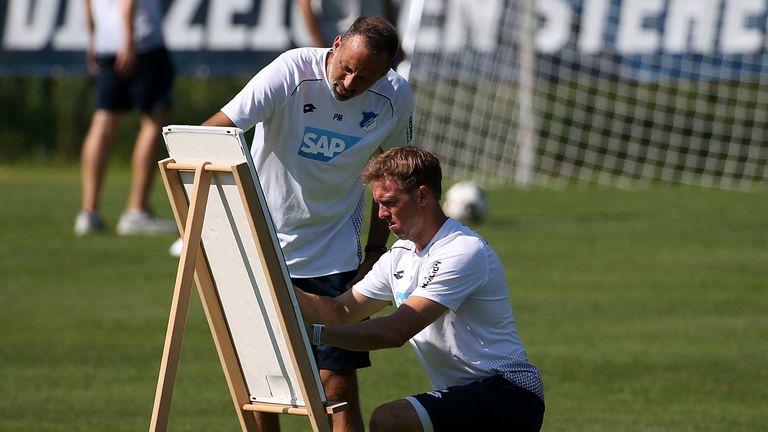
(128, 8)
(363, 336)
(316, 309)
(89, 17)
(388, 331)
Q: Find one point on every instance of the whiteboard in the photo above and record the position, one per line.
(236, 269)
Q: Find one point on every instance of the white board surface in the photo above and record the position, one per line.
(236, 268)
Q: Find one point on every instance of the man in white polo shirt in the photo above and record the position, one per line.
(318, 116)
(452, 305)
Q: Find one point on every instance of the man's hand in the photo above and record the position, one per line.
(90, 58)
(125, 63)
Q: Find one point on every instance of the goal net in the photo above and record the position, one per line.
(618, 92)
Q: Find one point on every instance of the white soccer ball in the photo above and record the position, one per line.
(465, 201)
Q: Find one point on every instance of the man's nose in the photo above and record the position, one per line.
(351, 82)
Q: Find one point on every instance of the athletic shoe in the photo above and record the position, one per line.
(144, 223)
(176, 247)
(88, 223)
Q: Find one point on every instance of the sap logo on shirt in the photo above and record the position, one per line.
(323, 145)
(400, 297)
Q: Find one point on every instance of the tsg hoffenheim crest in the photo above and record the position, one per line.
(368, 123)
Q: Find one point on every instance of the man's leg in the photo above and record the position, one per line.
(338, 367)
(136, 220)
(490, 404)
(94, 156)
(341, 385)
(399, 415)
(267, 422)
(144, 159)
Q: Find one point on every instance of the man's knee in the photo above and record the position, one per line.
(341, 386)
(397, 415)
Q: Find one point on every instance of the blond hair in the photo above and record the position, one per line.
(411, 167)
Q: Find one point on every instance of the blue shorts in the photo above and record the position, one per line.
(491, 404)
(329, 357)
(150, 87)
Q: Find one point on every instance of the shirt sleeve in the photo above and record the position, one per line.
(257, 101)
(376, 284)
(453, 274)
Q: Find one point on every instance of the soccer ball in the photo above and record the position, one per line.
(465, 201)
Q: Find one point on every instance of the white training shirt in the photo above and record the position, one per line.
(477, 336)
(309, 150)
(109, 32)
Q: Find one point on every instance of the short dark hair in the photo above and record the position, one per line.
(379, 35)
(411, 167)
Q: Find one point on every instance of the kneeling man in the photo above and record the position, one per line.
(452, 306)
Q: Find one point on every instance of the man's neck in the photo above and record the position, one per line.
(328, 58)
(431, 228)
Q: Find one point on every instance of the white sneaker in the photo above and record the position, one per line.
(176, 247)
(144, 223)
(88, 223)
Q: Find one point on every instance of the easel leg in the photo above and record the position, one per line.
(180, 302)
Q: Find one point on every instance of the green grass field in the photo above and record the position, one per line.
(646, 311)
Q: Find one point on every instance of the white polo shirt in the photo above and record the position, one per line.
(477, 336)
(309, 150)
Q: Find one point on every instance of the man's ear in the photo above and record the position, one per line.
(423, 194)
(336, 43)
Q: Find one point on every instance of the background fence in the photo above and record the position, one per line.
(623, 93)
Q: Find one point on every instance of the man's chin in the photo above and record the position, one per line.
(340, 97)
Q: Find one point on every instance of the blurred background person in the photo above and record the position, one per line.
(326, 19)
(127, 54)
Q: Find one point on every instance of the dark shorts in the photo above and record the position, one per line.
(149, 88)
(329, 357)
(491, 404)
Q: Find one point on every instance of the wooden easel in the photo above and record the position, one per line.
(194, 264)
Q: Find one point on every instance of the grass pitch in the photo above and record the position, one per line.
(646, 311)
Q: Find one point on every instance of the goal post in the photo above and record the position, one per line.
(624, 93)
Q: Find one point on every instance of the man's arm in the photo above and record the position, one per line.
(125, 62)
(378, 234)
(310, 19)
(347, 308)
(91, 51)
(219, 119)
(390, 12)
(390, 331)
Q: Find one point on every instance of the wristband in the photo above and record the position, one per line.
(316, 330)
(381, 250)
